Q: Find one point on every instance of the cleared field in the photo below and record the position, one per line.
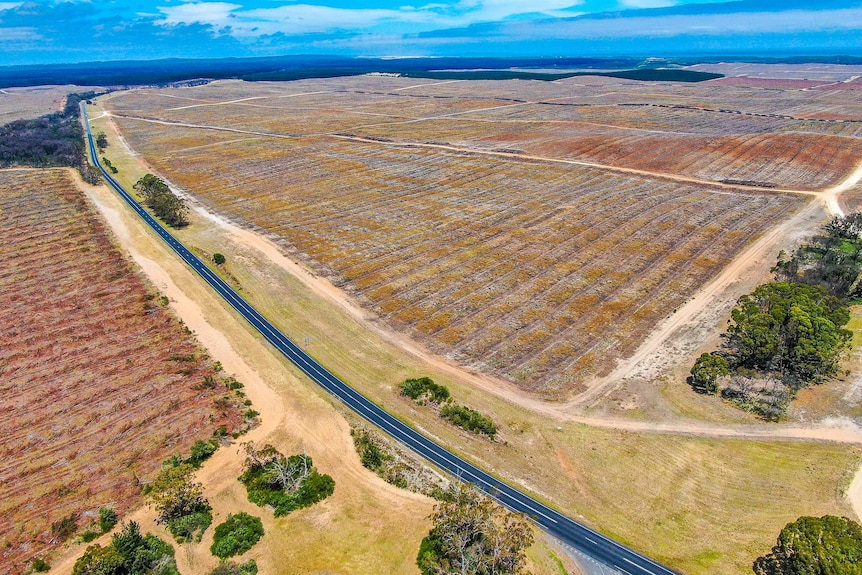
(98, 382)
(27, 103)
(541, 273)
(772, 135)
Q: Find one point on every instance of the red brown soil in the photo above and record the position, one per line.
(98, 382)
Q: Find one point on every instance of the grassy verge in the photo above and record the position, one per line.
(701, 505)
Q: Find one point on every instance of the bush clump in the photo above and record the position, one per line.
(424, 388)
(284, 483)
(129, 553)
(468, 419)
(236, 535)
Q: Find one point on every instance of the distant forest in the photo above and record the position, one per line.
(282, 68)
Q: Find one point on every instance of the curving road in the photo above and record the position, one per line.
(584, 539)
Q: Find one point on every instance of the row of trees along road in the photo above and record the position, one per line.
(159, 198)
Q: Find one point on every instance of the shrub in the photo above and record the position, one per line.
(63, 528)
(236, 535)
(284, 483)
(424, 387)
(107, 519)
(219, 259)
(190, 527)
(39, 565)
(201, 451)
(468, 419)
(231, 568)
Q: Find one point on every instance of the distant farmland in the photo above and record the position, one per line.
(539, 271)
(99, 383)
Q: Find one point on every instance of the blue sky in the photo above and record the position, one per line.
(53, 31)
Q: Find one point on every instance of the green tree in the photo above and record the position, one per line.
(793, 329)
(219, 259)
(107, 519)
(707, 369)
(129, 553)
(101, 140)
(180, 503)
(236, 535)
(474, 535)
(815, 546)
(159, 198)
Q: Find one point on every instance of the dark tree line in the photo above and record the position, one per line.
(53, 140)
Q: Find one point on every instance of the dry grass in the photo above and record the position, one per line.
(92, 387)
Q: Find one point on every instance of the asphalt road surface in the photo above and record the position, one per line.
(587, 541)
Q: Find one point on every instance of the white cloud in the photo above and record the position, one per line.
(311, 18)
(790, 21)
(217, 14)
(18, 34)
(9, 5)
(647, 3)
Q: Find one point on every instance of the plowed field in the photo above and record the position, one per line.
(541, 272)
(99, 383)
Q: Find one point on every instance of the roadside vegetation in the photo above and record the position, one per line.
(789, 334)
(280, 482)
(53, 140)
(164, 203)
(472, 535)
(424, 391)
(130, 553)
(826, 545)
(395, 465)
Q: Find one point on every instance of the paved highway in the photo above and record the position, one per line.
(584, 539)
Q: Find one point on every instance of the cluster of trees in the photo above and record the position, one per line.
(179, 502)
(815, 546)
(474, 535)
(790, 333)
(423, 390)
(236, 535)
(48, 141)
(285, 483)
(832, 259)
(164, 203)
(129, 553)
